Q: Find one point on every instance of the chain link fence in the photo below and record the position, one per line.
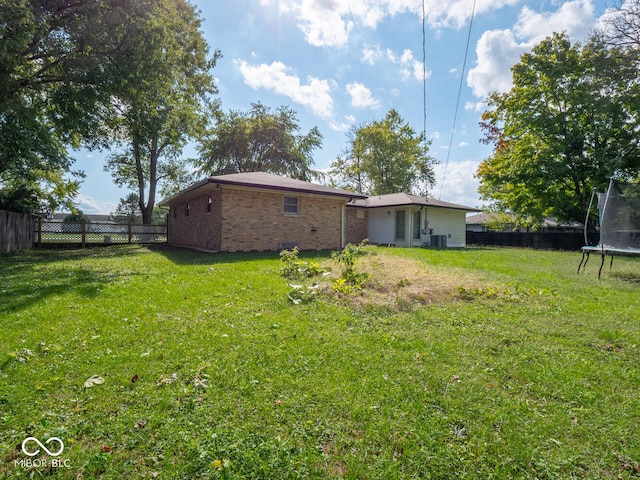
(96, 233)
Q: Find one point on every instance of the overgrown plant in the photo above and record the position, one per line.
(302, 294)
(350, 280)
(293, 267)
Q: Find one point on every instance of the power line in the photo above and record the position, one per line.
(455, 115)
(424, 79)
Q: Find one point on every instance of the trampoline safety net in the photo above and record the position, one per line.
(620, 217)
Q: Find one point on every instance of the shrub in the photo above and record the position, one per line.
(350, 280)
(295, 268)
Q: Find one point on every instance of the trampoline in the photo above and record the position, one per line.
(619, 218)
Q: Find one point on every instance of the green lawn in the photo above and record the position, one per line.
(522, 369)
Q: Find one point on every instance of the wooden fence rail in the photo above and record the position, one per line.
(49, 233)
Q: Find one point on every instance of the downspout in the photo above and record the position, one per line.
(343, 225)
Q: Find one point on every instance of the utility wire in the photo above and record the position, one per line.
(455, 115)
(424, 79)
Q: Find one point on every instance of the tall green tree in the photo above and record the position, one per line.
(563, 129)
(261, 140)
(163, 99)
(128, 210)
(385, 156)
(346, 169)
(53, 59)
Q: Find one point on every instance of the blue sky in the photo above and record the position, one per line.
(343, 62)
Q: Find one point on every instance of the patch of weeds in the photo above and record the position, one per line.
(293, 267)
(302, 294)
(514, 292)
(350, 280)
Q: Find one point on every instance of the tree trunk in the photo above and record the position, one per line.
(147, 210)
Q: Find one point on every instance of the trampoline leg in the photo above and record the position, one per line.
(601, 264)
(611, 264)
(582, 260)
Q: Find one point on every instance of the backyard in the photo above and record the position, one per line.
(156, 362)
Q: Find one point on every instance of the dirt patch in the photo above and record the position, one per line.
(403, 283)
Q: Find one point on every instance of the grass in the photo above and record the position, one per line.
(479, 363)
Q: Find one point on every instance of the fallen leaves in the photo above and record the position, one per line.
(140, 424)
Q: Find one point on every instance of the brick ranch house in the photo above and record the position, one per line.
(259, 211)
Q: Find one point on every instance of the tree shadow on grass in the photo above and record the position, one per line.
(631, 278)
(29, 277)
(187, 256)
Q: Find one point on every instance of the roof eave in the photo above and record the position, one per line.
(389, 205)
(284, 188)
(184, 194)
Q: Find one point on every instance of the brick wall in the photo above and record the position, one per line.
(250, 220)
(201, 229)
(255, 220)
(357, 224)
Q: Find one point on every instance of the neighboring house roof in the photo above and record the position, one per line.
(257, 180)
(403, 199)
(94, 217)
(551, 222)
(484, 218)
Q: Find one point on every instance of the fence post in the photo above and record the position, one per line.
(84, 236)
(129, 231)
(40, 232)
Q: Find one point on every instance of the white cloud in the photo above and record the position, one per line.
(456, 13)
(475, 106)
(361, 96)
(576, 18)
(315, 94)
(459, 185)
(498, 50)
(90, 205)
(329, 22)
(371, 55)
(409, 66)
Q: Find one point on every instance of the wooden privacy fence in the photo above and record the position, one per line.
(96, 233)
(16, 231)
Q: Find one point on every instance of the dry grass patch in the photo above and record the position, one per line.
(403, 283)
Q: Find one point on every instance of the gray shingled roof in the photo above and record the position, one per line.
(402, 199)
(263, 180)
